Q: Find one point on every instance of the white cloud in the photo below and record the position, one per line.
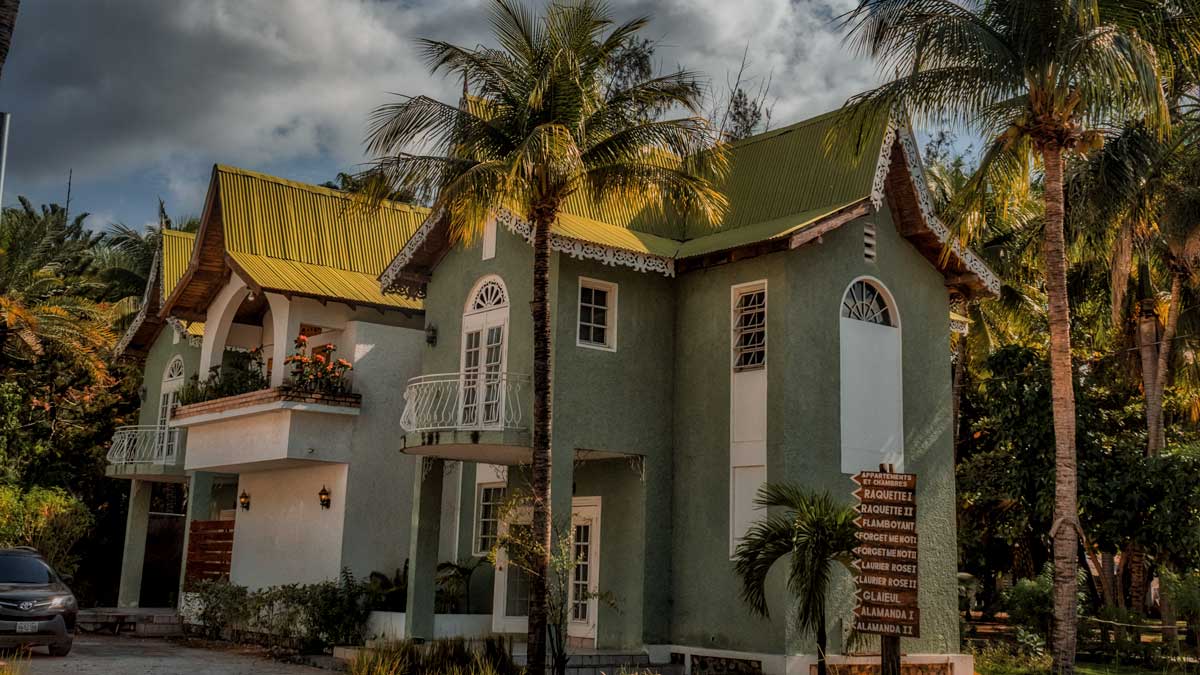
(147, 88)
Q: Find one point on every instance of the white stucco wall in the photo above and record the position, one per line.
(381, 477)
(286, 537)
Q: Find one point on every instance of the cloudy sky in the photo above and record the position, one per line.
(139, 98)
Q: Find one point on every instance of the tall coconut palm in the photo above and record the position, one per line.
(815, 534)
(538, 123)
(1037, 78)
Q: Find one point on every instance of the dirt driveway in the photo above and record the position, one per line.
(108, 655)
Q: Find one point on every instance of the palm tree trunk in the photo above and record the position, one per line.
(1066, 510)
(8, 23)
(822, 643)
(541, 517)
(1154, 398)
(1147, 339)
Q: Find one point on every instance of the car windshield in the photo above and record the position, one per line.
(23, 569)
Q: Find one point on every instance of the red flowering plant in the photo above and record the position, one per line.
(317, 369)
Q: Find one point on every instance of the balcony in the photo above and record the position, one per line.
(148, 452)
(274, 428)
(474, 418)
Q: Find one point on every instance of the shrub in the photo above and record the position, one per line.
(242, 373)
(319, 372)
(47, 519)
(490, 656)
(1030, 604)
(1002, 659)
(312, 617)
(222, 606)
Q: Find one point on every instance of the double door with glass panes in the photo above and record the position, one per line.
(481, 388)
(510, 599)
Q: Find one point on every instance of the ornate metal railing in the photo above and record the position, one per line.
(144, 445)
(478, 401)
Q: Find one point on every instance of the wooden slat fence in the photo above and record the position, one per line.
(210, 551)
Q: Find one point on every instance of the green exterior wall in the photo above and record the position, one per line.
(161, 352)
(646, 427)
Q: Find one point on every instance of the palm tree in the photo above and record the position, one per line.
(1037, 78)
(539, 122)
(815, 533)
(126, 254)
(8, 23)
(46, 296)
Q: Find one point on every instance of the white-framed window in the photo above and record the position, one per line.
(168, 398)
(484, 352)
(489, 499)
(750, 328)
(597, 314)
(872, 378)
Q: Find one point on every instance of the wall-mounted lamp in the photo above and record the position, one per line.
(244, 500)
(431, 335)
(323, 495)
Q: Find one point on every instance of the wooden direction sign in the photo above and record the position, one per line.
(886, 564)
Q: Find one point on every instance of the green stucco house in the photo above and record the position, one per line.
(803, 339)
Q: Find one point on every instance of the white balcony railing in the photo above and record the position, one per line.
(489, 401)
(144, 445)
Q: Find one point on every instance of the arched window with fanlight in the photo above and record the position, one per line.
(484, 354)
(168, 397)
(872, 391)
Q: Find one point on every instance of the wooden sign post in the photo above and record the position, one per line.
(886, 561)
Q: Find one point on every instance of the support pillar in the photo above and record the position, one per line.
(423, 548)
(199, 507)
(136, 524)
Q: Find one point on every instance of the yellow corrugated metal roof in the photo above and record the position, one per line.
(291, 276)
(177, 252)
(311, 240)
(955, 316)
(586, 229)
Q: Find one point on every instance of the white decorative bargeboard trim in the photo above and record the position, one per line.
(586, 250)
(960, 327)
(884, 162)
(392, 279)
(973, 263)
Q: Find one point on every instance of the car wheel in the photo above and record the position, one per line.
(61, 648)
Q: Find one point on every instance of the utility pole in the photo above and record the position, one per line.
(4, 117)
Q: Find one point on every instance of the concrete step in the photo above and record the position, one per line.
(146, 622)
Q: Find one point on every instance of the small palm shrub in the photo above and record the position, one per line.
(47, 519)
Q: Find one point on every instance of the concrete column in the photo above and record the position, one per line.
(199, 507)
(423, 548)
(218, 322)
(285, 326)
(136, 524)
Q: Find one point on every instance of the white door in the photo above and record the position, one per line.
(510, 598)
(481, 397)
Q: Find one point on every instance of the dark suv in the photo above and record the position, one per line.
(36, 607)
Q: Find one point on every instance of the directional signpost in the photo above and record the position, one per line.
(886, 565)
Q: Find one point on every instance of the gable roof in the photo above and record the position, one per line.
(175, 249)
(785, 187)
(291, 238)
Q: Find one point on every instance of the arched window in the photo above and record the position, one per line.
(864, 302)
(168, 397)
(872, 392)
(489, 294)
(484, 354)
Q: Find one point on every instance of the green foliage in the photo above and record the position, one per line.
(389, 594)
(313, 617)
(439, 657)
(47, 519)
(814, 533)
(1005, 659)
(319, 371)
(222, 606)
(1030, 603)
(241, 373)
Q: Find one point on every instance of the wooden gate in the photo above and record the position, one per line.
(210, 551)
